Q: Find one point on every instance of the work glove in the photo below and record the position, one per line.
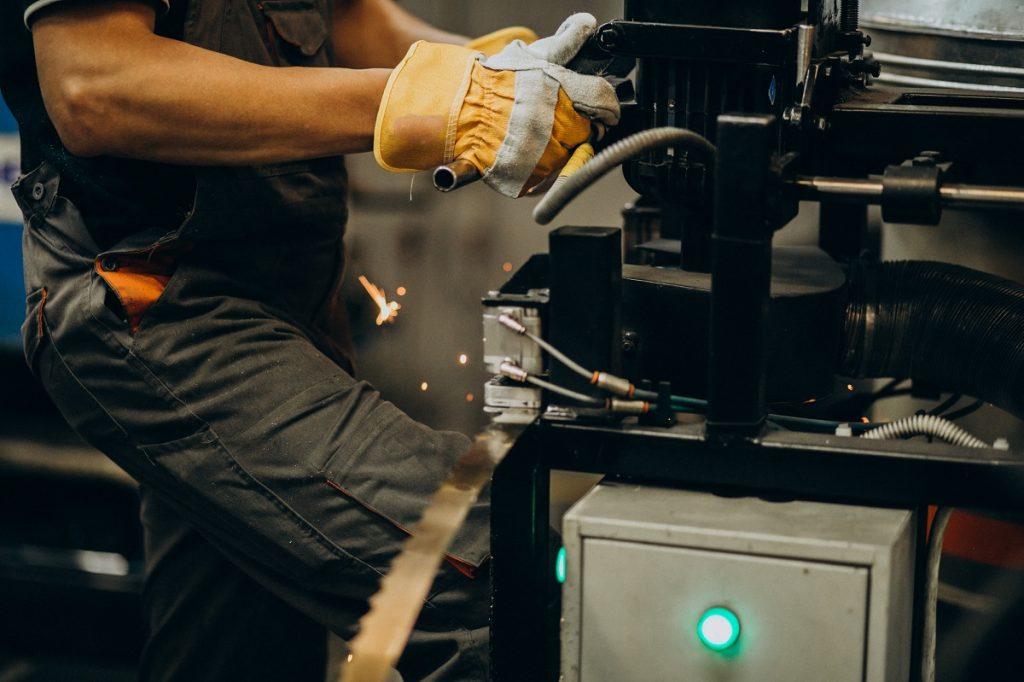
(516, 116)
(496, 41)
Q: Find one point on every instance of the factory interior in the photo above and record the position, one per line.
(745, 389)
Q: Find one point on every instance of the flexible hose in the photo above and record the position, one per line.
(925, 425)
(945, 325)
(560, 195)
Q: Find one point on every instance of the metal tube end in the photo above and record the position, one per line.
(454, 175)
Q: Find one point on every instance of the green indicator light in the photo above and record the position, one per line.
(718, 629)
(560, 565)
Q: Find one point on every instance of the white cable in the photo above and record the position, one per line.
(926, 425)
(513, 324)
(555, 388)
(943, 429)
(931, 597)
(560, 356)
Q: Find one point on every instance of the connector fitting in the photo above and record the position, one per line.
(613, 384)
(627, 406)
(511, 323)
(513, 371)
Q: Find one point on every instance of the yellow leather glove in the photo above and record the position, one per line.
(516, 116)
(496, 41)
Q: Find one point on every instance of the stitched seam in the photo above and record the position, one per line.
(308, 529)
(305, 526)
(74, 377)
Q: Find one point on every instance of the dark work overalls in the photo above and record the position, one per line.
(206, 361)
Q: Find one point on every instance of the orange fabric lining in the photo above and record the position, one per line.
(41, 320)
(983, 539)
(461, 565)
(138, 281)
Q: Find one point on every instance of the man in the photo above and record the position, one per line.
(184, 199)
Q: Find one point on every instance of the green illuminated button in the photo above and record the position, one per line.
(560, 565)
(718, 628)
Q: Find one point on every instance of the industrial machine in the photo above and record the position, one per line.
(751, 526)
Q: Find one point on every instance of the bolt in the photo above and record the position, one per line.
(629, 341)
(609, 37)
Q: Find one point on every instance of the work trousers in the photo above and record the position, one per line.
(276, 487)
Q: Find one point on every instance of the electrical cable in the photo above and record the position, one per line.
(945, 405)
(559, 196)
(925, 425)
(964, 411)
(560, 356)
(932, 425)
(561, 390)
(623, 387)
(827, 425)
(931, 598)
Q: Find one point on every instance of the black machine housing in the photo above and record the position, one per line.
(707, 307)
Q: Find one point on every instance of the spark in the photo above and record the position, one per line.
(810, 401)
(400, 291)
(865, 420)
(388, 310)
(507, 267)
(469, 397)
(463, 358)
(424, 386)
(849, 387)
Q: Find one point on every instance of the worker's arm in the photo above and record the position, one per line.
(113, 87)
(378, 33)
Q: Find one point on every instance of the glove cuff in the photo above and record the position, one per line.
(418, 115)
(495, 42)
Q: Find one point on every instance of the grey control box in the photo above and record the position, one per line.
(665, 584)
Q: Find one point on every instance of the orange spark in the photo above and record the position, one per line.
(469, 397)
(388, 310)
(400, 291)
(424, 386)
(507, 267)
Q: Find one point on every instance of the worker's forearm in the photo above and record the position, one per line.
(165, 100)
(378, 33)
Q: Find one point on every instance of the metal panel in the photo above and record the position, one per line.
(644, 563)
(641, 604)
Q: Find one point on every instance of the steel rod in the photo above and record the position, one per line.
(868, 191)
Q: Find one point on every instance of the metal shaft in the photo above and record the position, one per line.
(867, 191)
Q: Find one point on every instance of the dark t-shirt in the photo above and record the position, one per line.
(115, 196)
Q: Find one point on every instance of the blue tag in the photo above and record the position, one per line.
(771, 92)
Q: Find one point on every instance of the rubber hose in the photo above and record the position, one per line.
(562, 193)
(948, 326)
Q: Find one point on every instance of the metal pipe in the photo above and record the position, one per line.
(869, 191)
(854, 190)
(454, 175)
(982, 196)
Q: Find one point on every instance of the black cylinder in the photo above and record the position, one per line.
(945, 325)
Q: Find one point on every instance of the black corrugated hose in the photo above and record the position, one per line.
(951, 327)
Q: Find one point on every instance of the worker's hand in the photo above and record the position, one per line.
(496, 41)
(516, 116)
